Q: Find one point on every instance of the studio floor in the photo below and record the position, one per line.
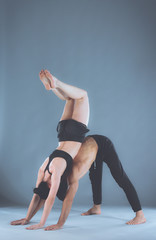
(110, 225)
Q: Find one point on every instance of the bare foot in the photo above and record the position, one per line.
(95, 210)
(140, 218)
(44, 80)
(51, 79)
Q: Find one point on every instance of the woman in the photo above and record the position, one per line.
(71, 132)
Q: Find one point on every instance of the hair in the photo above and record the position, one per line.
(42, 190)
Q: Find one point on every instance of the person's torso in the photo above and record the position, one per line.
(85, 158)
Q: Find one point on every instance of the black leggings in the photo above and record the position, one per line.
(106, 153)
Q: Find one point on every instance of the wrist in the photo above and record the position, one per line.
(60, 223)
(41, 224)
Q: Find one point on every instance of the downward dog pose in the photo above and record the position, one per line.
(71, 133)
(95, 150)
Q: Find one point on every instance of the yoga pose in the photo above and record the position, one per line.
(95, 150)
(71, 133)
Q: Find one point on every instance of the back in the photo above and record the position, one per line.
(84, 159)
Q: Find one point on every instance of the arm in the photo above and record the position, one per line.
(34, 205)
(51, 197)
(55, 182)
(33, 208)
(41, 203)
(67, 204)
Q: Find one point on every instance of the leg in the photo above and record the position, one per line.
(81, 106)
(81, 110)
(48, 86)
(44, 80)
(66, 89)
(118, 173)
(138, 219)
(95, 175)
(68, 110)
(95, 210)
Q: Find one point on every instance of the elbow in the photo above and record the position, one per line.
(75, 186)
(75, 189)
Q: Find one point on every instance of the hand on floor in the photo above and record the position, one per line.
(53, 227)
(22, 221)
(34, 227)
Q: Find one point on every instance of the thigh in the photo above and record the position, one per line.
(68, 110)
(114, 164)
(81, 110)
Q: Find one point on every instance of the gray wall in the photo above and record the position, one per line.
(106, 47)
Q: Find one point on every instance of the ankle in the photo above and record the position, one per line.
(57, 82)
(97, 207)
(139, 213)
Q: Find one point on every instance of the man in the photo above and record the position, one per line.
(94, 150)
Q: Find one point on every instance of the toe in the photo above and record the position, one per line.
(47, 72)
(129, 223)
(83, 214)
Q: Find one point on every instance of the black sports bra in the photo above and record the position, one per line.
(62, 154)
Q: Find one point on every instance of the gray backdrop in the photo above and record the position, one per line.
(106, 47)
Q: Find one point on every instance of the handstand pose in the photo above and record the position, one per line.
(71, 132)
(95, 150)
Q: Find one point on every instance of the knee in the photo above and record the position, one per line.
(120, 183)
(119, 179)
(123, 183)
(84, 96)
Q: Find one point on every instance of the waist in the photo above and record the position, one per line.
(70, 147)
(71, 130)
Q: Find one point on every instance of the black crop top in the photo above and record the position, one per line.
(62, 154)
(71, 130)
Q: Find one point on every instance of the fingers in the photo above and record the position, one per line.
(29, 228)
(17, 222)
(52, 227)
(14, 223)
(33, 227)
(24, 223)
